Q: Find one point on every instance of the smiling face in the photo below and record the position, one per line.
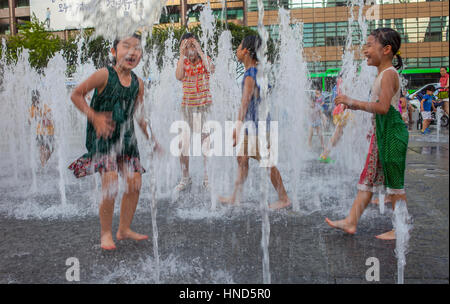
(128, 53)
(240, 53)
(443, 71)
(374, 51)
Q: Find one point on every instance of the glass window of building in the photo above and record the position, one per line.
(4, 4)
(22, 3)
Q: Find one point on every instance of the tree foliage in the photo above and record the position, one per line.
(41, 44)
(238, 32)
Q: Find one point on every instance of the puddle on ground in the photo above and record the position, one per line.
(430, 150)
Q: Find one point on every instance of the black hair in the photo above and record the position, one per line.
(252, 44)
(430, 88)
(387, 36)
(137, 34)
(443, 67)
(187, 36)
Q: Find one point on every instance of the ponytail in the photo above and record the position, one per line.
(399, 63)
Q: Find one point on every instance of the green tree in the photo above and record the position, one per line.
(41, 44)
(238, 32)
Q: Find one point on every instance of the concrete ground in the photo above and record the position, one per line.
(226, 249)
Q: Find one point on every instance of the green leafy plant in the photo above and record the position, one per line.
(160, 34)
(41, 44)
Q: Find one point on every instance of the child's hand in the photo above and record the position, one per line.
(196, 45)
(103, 124)
(183, 47)
(342, 99)
(157, 148)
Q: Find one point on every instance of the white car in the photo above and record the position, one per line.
(414, 97)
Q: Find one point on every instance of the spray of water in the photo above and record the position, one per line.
(381, 202)
(402, 222)
(286, 102)
(112, 19)
(262, 79)
(438, 122)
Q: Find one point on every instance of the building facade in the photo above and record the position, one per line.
(12, 13)
(423, 24)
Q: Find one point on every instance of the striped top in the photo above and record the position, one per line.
(195, 85)
(44, 120)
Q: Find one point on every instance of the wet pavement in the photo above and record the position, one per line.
(224, 246)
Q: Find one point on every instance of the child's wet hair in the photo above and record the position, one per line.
(252, 44)
(187, 36)
(137, 34)
(388, 36)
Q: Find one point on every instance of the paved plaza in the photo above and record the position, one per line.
(226, 248)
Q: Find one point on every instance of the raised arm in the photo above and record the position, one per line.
(205, 59)
(389, 85)
(179, 73)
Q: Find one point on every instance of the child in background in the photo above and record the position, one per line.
(443, 90)
(340, 118)
(110, 137)
(323, 107)
(403, 109)
(193, 69)
(426, 106)
(248, 112)
(316, 123)
(44, 129)
(386, 160)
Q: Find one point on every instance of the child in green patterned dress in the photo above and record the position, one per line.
(385, 163)
(110, 138)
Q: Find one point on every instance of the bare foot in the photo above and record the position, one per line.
(227, 200)
(390, 235)
(342, 224)
(130, 234)
(280, 204)
(107, 242)
(376, 201)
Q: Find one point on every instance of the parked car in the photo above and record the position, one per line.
(415, 99)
